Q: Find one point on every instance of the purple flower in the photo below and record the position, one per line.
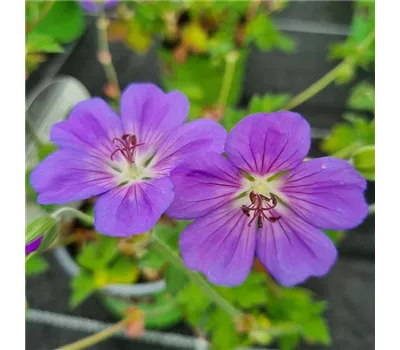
(263, 200)
(95, 6)
(34, 245)
(125, 162)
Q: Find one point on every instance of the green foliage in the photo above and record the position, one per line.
(262, 31)
(82, 285)
(201, 80)
(64, 22)
(232, 116)
(364, 161)
(240, 295)
(346, 138)
(268, 103)
(96, 255)
(362, 26)
(35, 265)
(194, 303)
(296, 306)
(222, 330)
(36, 43)
(335, 236)
(362, 97)
(45, 150)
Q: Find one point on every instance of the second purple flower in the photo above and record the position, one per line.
(263, 200)
(125, 162)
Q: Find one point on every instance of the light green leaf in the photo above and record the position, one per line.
(262, 31)
(124, 270)
(268, 103)
(194, 302)
(335, 236)
(363, 97)
(98, 254)
(37, 43)
(38, 227)
(35, 265)
(316, 331)
(64, 22)
(82, 285)
(364, 161)
(222, 329)
(45, 150)
(176, 280)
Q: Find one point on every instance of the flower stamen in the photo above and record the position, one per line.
(259, 205)
(126, 145)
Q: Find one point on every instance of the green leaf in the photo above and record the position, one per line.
(232, 116)
(364, 161)
(200, 79)
(176, 280)
(316, 331)
(363, 97)
(36, 43)
(152, 259)
(268, 103)
(38, 227)
(35, 265)
(124, 270)
(194, 302)
(45, 150)
(64, 22)
(346, 138)
(262, 31)
(240, 295)
(222, 329)
(98, 254)
(82, 286)
(335, 236)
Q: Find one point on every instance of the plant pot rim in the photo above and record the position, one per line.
(123, 290)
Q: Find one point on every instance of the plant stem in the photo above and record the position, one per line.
(230, 63)
(327, 79)
(104, 55)
(96, 338)
(87, 219)
(195, 277)
(29, 127)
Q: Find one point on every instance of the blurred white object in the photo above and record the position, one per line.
(47, 104)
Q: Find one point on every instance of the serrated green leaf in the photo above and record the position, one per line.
(364, 161)
(35, 265)
(37, 43)
(38, 227)
(82, 285)
(194, 302)
(64, 22)
(362, 97)
(222, 329)
(98, 254)
(45, 150)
